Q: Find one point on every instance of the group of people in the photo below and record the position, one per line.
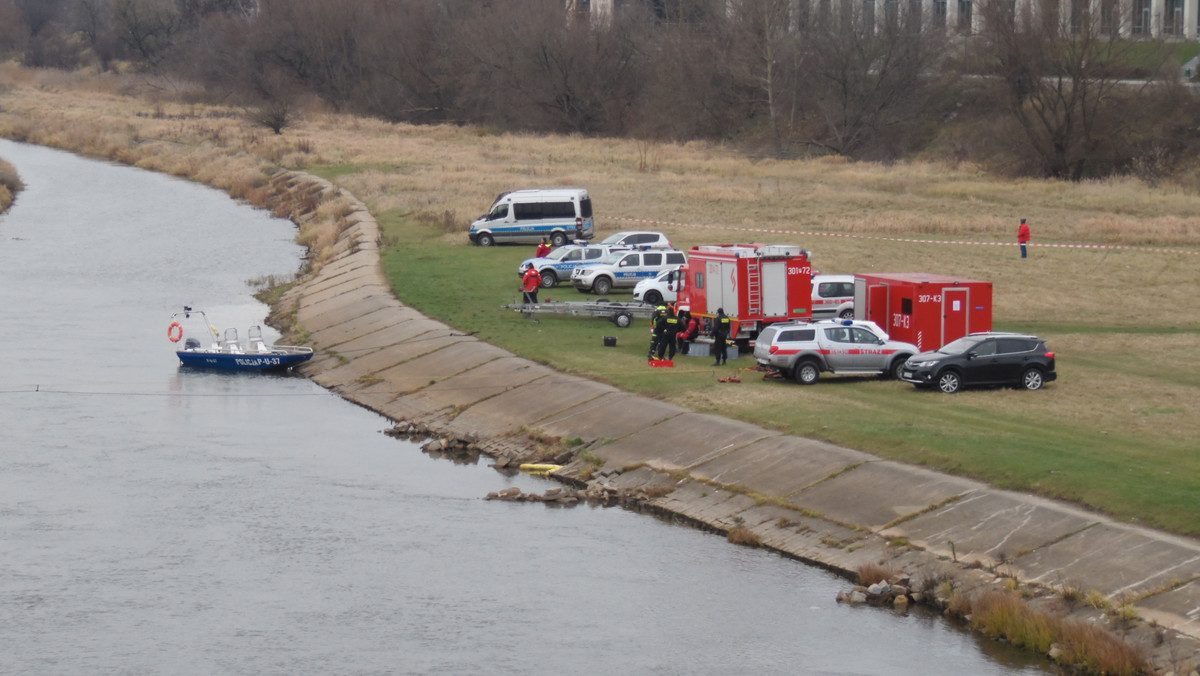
(671, 331)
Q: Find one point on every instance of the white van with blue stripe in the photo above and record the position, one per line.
(526, 216)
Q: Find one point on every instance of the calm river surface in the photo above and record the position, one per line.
(156, 520)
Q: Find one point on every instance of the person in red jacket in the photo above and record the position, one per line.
(542, 249)
(1023, 236)
(689, 327)
(531, 281)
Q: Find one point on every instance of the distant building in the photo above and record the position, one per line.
(1155, 19)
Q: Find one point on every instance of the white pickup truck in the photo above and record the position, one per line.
(803, 350)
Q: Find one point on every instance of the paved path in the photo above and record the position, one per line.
(827, 505)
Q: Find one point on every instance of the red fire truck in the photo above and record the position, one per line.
(756, 284)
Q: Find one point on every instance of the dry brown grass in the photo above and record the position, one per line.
(1098, 651)
(10, 184)
(455, 171)
(870, 573)
(740, 535)
(1079, 645)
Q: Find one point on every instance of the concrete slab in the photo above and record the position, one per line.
(482, 382)
(813, 540)
(386, 368)
(683, 441)
(709, 504)
(611, 416)
(348, 286)
(780, 465)
(360, 270)
(415, 373)
(377, 322)
(876, 493)
(415, 409)
(1178, 608)
(526, 405)
(342, 276)
(363, 371)
(1114, 559)
(343, 309)
(989, 524)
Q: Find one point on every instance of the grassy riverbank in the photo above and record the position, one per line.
(1116, 432)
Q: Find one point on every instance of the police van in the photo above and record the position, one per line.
(558, 214)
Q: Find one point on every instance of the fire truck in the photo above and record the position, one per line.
(756, 284)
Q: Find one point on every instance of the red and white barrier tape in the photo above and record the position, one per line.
(806, 233)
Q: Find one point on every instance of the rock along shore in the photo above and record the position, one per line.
(841, 509)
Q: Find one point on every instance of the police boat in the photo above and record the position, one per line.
(225, 351)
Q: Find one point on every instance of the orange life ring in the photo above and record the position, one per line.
(173, 334)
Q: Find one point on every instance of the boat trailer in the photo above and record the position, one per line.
(620, 313)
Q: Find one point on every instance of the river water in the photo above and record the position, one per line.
(160, 520)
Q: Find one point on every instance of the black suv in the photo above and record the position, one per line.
(983, 359)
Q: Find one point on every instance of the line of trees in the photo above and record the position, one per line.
(1030, 94)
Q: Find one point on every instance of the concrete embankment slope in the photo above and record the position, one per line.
(830, 506)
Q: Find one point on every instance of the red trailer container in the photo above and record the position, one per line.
(756, 284)
(926, 310)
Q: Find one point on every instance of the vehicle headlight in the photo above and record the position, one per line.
(921, 364)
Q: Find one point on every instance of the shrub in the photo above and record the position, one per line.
(870, 573)
(1008, 616)
(1096, 650)
(9, 178)
(740, 535)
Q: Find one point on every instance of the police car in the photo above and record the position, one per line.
(623, 269)
(805, 350)
(641, 239)
(558, 265)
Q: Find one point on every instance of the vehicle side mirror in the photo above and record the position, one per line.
(972, 355)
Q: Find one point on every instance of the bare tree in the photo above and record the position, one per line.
(539, 70)
(414, 60)
(1062, 71)
(147, 27)
(766, 38)
(696, 85)
(870, 81)
(317, 41)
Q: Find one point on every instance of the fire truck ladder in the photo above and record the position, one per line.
(754, 288)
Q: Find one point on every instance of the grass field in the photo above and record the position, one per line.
(1116, 432)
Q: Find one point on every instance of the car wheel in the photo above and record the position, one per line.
(485, 239)
(848, 313)
(807, 373)
(652, 298)
(897, 368)
(623, 320)
(549, 279)
(949, 382)
(558, 239)
(1032, 379)
(602, 285)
